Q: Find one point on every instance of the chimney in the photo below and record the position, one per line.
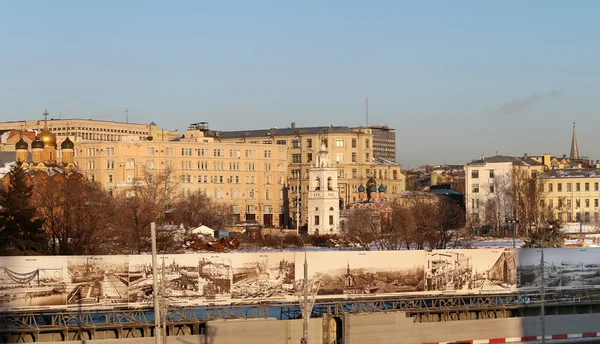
(482, 158)
(293, 125)
(524, 156)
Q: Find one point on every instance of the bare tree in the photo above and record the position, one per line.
(151, 196)
(75, 213)
(197, 209)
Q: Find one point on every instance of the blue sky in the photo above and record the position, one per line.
(456, 79)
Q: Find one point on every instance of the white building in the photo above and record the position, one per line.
(488, 178)
(323, 196)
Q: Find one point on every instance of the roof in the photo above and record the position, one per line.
(503, 158)
(274, 132)
(572, 173)
(382, 161)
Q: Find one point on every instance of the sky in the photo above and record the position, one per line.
(455, 79)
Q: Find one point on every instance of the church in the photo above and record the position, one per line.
(43, 153)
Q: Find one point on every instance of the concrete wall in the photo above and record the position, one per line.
(237, 331)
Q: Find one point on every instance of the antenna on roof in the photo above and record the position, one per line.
(367, 109)
(60, 114)
(126, 115)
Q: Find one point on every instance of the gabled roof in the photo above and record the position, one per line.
(572, 173)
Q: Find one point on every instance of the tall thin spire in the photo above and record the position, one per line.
(574, 149)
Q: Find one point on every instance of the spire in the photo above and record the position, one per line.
(574, 149)
(45, 119)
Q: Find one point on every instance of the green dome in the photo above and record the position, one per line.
(381, 188)
(37, 143)
(67, 144)
(21, 144)
(361, 188)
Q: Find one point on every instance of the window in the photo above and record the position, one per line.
(268, 153)
(110, 165)
(316, 220)
(354, 173)
(577, 187)
(308, 157)
(354, 156)
(268, 166)
(110, 151)
(559, 187)
(110, 178)
(150, 151)
(475, 188)
(550, 187)
(267, 194)
(569, 187)
(491, 174)
(596, 186)
(569, 204)
(309, 143)
(339, 157)
(587, 216)
(186, 151)
(235, 209)
(353, 143)
(475, 174)
(491, 188)
(367, 143)
(331, 219)
(577, 203)
(296, 158)
(560, 203)
(340, 174)
(296, 143)
(281, 142)
(367, 157)
(587, 203)
(533, 174)
(595, 203)
(339, 142)
(587, 186)
(550, 203)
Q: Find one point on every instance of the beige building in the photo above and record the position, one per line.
(351, 149)
(250, 177)
(80, 130)
(573, 194)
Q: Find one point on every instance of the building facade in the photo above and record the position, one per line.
(79, 130)
(384, 142)
(350, 149)
(573, 194)
(487, 178)
(250, 177)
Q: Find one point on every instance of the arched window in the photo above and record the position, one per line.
(317, 183)
(129, 164)
(329, 184)
(330, 208)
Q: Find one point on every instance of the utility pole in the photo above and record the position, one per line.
(543, 296)
(155, 291)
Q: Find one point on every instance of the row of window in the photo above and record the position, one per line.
(317, 220)
(338, 142)
(339, 157)
(569, 187)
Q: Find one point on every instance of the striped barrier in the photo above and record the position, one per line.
(521, 339)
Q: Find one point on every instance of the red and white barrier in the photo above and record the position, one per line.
(522, 339)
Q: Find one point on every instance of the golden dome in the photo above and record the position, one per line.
(48, 138)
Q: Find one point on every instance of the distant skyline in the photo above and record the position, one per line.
(455, 79)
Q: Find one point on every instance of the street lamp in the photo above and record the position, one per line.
(514, 227)
(304, 295)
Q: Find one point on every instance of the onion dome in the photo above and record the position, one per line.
(373, 188)
(47, 137)
(21, 145)
(67, 144)
(37, 143)
(361, 188)
(381, 188)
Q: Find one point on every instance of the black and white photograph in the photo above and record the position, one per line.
(215, 276)
(32, 282)
(263, 276)
(364, 273)
(97, 279)
(469, 270)
(563, 268)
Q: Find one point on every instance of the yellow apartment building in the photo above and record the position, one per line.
(573, 194)
(250, 177)
(351, 149)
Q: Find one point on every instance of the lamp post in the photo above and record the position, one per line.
(304, 295)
